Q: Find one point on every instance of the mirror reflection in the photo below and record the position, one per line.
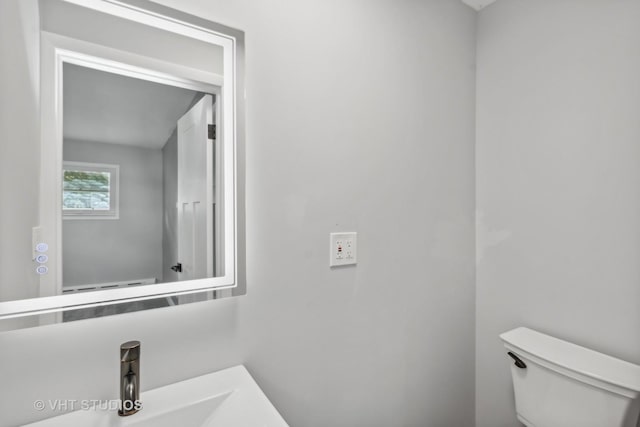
(134, 196)
(138, 193)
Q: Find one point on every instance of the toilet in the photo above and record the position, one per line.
(560, 384)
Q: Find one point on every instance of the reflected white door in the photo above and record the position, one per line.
(195, 192)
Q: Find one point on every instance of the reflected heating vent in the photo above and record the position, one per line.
(110, 285)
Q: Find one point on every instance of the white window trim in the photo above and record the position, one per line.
(114, 191)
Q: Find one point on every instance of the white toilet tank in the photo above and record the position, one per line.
(559, 384)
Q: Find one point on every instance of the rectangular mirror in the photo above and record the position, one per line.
(141, 171)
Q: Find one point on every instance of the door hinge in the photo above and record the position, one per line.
(212, 132)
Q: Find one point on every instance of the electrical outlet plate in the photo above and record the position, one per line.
(342, 249)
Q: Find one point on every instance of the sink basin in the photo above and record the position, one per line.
(228, 398)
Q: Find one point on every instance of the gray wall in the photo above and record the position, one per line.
(128, 248)
(365, 124)
(557, 182)
(19, 148)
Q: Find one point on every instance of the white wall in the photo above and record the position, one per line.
(91, 249)
(360, 117)
(557, 182)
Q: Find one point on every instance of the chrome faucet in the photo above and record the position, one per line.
(129, 378)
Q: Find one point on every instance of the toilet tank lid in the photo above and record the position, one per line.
(575, 358)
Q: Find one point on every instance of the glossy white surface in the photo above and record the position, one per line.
(228, 398)
(564, 384)
(575, 358)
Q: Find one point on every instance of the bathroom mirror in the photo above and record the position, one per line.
(141, 171)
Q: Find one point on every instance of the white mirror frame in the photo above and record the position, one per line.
(67, 50)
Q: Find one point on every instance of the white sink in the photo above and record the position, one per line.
(228, 398)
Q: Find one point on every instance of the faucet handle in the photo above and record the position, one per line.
(130, 351)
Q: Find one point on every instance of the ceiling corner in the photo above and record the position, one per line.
(478, 4)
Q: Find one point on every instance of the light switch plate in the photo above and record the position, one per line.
(342, 249)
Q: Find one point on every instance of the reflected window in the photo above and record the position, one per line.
(89, 191)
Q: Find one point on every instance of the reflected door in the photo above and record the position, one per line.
(195, 195)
